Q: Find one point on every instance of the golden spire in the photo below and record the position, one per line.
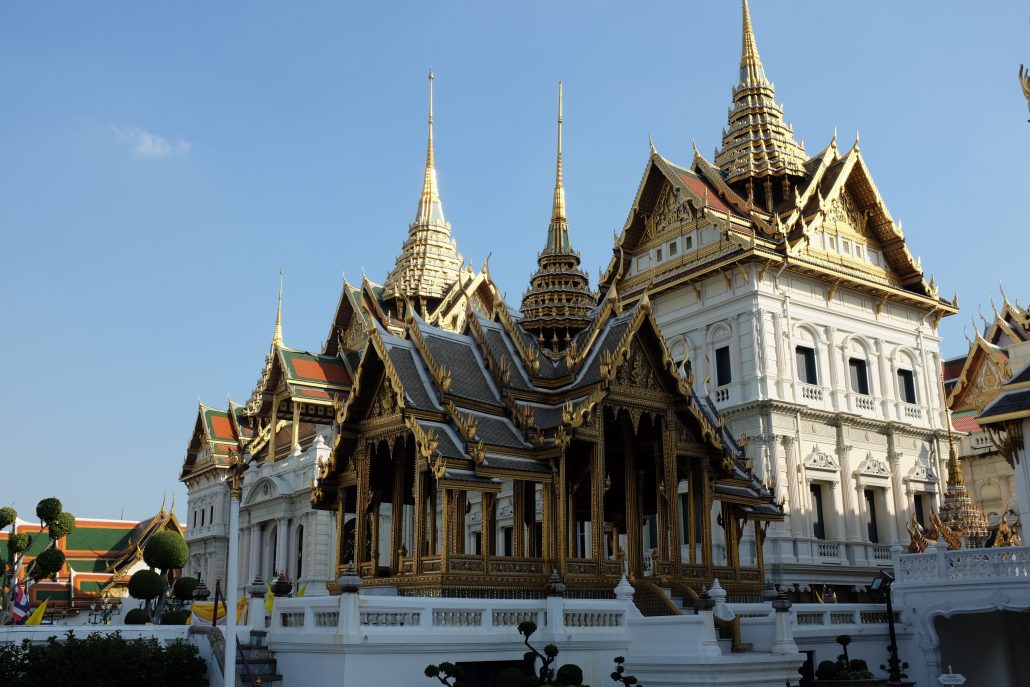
(277, 334)
(429, 262)
(558, 232)
(758, 143)
(558, 301)
(429, 207)
(751, 71)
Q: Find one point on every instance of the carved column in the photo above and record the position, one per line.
(597, 472)
(672, 529)
(295, 429)
(794, 509)
(902, 514)
(418, 537)
(488, 536)
(361, 507)
(341, 520)
(518, 509)
(851, 509)
(706, 522)
(254, 568)
(759, 554)
(434, 494)
(460, 506)
(397, 512)
(634, 543)
(374, 530)
(272, 428)
(282, 538)
(446, 528)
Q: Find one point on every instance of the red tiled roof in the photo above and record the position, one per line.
(966, 424)
(221, 427)
(699, 187)
(952, 368)
(315, 369)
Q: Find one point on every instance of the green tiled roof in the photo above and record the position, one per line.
(98, 539)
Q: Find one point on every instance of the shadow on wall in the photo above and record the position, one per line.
(988, 648)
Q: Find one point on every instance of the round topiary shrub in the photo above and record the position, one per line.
(137, 616)
(166, 550)
(827, 670)
(48, 563)
(842, 675)
(183, 588)
(570, 675)
(7, 516)
(175, 617)
(858, 665)
(47, 510)
(62, 525)
(20, 542)
(145, 585)
(511, 677)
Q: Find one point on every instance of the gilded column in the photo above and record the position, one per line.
(447, 528)
(460, 501)
(397, 513)
(597, 494)
(671, 495)
(488, 535)
(634, 543)
(418, 537)
(341, 520)
(295, 429)
(272, 428)
(361, 507)
(518, 504)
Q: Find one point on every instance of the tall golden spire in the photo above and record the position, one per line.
(429, 262)
(751, 71)
(558, 232)
(959, 512)
(758, 145)
(558, 301)
(277, 334)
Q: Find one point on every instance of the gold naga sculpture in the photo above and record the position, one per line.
(1024, 81)
(921, 539)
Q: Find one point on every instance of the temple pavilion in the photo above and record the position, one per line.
(569, 414)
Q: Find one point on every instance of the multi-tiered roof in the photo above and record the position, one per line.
(559, 299)
(429, 262)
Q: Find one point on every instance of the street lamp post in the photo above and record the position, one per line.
(882, 583)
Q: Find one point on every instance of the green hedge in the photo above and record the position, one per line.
(101, 661)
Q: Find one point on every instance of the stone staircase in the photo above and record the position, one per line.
(725, 630)
(260, 668)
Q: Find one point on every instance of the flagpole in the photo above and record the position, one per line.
(234, 477)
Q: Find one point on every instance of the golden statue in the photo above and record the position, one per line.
(1024, 81)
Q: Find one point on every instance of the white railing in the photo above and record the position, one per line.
(831, 615)
(863, 402)
(811, 392)
(966, 565)
(830, 550)
(386, 615)
(881, 552)
(911, 412)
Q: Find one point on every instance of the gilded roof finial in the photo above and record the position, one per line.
(833, 143)
(858, 139)
(751, 71)
(429, 206)
(277, 335)
(558, 209)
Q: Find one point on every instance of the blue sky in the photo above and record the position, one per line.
(161, 162)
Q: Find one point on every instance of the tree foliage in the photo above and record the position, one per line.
(184, 587)
(47, 564)
(7, 517)
(19, 543)
(62, 525)
(145, 585)
(166, 550)
(48, 509)
(101, 661)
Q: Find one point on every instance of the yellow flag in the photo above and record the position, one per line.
(37, 615)
(303, 588)
(269, 598)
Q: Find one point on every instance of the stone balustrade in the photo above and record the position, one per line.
(940, 566)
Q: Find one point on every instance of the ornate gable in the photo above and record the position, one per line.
(984, 372)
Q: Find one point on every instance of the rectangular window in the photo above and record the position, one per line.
(833, 243)
(806, 365)
(673, 249)
(845, 247)
(582, 540)
(194, 518)
(870, 506)
(211, 517)
(688, 242)
(859, 376)
(818, 528)
(920, 508)
(658, 255)
(907, 386)
(201, 517)
(507, 534)
(477, 543)
(723, 374)
(874, 257)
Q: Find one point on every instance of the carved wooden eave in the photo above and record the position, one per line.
(966, 393)
(578, 355)
(441, 375)
(528, 352)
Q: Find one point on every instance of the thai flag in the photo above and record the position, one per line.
(21, 604)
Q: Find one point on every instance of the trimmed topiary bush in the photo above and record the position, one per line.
(178, 617)
(137, 616)
(858, 665)
(48, 563)
(62, 525)
(827, 670)
(511, 677)
(569, 675)
(19, 543)
(7, 517)
(145, 585)
(166, 550)
(47, 510)
(183, 588)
